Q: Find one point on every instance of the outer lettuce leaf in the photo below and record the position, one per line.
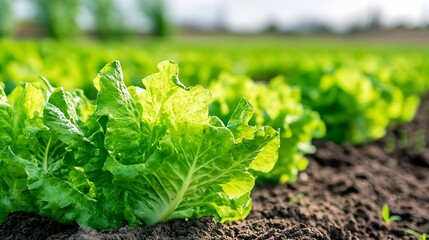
(53, 196)
(6, 130)
(13, 181)
(186, 167)
(43, 165)
(87, 200)
(238, 124)
(14, 194)
(17, 118)
(122, 137)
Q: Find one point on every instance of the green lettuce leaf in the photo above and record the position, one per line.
(6, 115)
(47, 154)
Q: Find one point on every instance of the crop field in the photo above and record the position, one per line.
(266, 138)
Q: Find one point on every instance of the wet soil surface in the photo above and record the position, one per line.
(340, 196)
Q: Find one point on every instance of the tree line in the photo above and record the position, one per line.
(58, 19)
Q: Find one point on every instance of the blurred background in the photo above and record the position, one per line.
(107, 19)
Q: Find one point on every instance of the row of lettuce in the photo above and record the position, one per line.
(158, 150)
(358, 93)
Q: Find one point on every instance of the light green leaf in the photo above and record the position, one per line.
(385, 213)
(263, 162)
(166, 96)
(59, 99)
(238, 123)
(6, 121)
(122, 137)
(29, 98)
(62, 127)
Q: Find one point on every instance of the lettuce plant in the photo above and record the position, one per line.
(278, 105)
(356, 106)
(135, 156)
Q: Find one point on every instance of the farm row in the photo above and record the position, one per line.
(347, 85)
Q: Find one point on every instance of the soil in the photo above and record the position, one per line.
(340, 196)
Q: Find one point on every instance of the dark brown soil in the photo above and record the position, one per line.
(340, 196)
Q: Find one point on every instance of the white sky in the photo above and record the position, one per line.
(254, 15)
(251, 15)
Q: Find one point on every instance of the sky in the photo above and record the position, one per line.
(253, 15)
(256, 15)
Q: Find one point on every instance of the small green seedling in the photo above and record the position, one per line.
(385, 213)
(421, 236)
(296, 198)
